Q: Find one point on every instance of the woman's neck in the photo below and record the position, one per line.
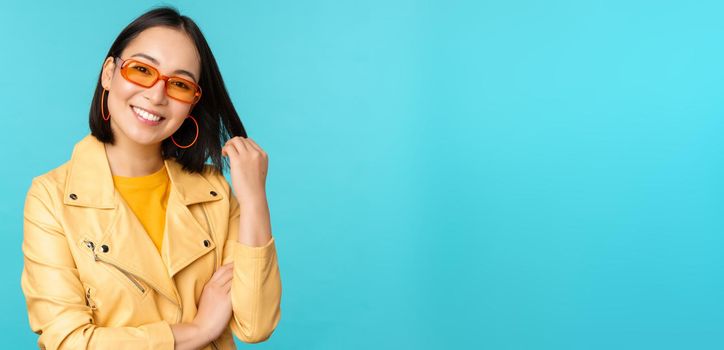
(127, 158)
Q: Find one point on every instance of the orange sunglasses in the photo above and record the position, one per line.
(146, 75)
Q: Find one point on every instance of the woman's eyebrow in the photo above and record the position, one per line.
(155, 61)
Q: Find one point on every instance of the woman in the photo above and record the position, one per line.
(136, 242)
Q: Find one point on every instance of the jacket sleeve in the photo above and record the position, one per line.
(256, 285)
(54, 294)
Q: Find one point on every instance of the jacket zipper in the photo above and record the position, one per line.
(89, 300)
(128, 275)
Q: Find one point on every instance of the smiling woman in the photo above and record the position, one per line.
(137, 242)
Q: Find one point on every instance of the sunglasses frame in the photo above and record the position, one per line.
(165, 78)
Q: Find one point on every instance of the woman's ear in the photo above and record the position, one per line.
(107, 72)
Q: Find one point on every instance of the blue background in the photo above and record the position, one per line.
(443, 174)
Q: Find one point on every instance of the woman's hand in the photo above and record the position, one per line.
(249, 165)
(212, 316)
(214, 310)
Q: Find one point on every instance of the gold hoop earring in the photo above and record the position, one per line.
(195, 137)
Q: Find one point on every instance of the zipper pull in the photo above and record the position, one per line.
(92, 247)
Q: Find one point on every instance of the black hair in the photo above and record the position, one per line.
(214, 112)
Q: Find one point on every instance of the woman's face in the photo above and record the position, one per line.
(173, 53)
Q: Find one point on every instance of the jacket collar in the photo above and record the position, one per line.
(90, 182)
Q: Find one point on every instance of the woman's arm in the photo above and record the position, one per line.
(256, 284)
(186, 336)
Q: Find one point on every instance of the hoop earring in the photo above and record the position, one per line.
(195, 137)
(109, 112)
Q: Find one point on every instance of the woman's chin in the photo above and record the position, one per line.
(144, 137)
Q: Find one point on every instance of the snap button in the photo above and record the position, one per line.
(73, 196)
(105, 248)
(206, 243)
(213, 193)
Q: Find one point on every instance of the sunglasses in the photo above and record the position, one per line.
(146, 75)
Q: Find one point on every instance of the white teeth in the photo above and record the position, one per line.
(146, 115)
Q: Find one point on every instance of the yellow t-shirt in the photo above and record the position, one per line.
(147, 196)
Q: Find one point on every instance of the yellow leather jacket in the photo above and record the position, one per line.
(93, 279)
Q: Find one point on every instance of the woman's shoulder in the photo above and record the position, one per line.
(46, 190)
(57, 177)
(53, 179)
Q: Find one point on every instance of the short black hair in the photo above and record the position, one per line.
(214, 112)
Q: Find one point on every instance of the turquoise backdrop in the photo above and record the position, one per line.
(443, 174)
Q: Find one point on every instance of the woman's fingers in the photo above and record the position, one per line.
(229, 150)
(253, 144)
(241, 144)
(225, 276)
(236, 143)
(219, 275)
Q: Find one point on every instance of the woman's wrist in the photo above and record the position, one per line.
(188, 336)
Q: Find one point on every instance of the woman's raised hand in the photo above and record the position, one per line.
(249, 164)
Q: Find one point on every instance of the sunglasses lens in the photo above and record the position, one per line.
(140, 73)
(181, 89)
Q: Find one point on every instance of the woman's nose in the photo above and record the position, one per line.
(156, 94)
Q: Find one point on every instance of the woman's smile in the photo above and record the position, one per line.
(146, 116)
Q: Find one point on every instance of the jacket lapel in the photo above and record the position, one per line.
(90, 184)
(130, 248)
(185, 238)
